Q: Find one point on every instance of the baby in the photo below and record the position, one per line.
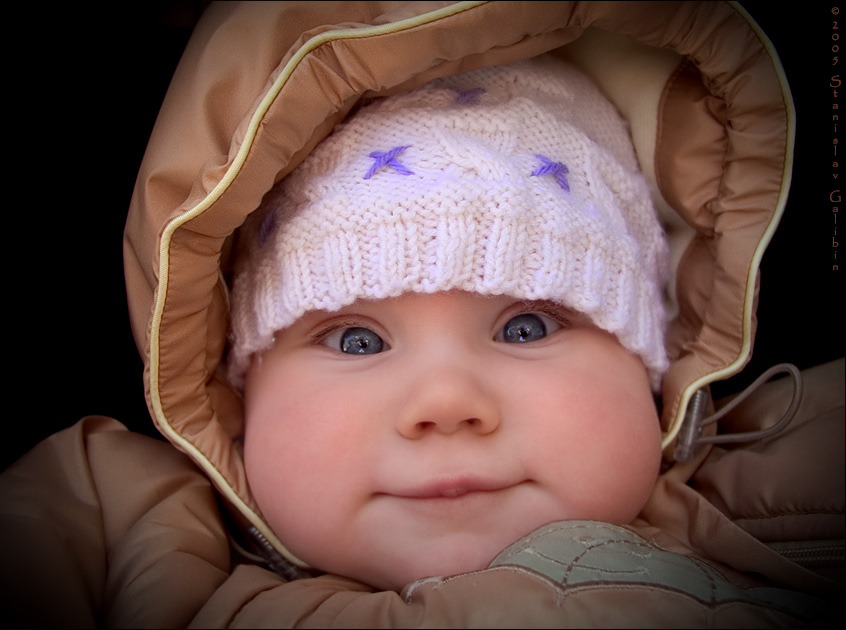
(448, 324)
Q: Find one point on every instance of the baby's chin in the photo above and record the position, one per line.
(397, 578)
(417, 563)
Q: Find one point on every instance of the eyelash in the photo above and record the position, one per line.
(558, 314)
(319, 336)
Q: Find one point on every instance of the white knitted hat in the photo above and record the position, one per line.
(516, 180)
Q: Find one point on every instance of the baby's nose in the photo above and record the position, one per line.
(446, 401)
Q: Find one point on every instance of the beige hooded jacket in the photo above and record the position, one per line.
(139, 533)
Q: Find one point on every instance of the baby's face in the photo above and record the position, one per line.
(420, 436)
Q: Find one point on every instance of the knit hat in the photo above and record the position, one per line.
(516, 180)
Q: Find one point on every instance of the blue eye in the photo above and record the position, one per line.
(524, 328)
(356, 340)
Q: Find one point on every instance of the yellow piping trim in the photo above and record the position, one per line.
(746, 347)
(241, 157)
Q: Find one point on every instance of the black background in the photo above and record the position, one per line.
(83, 87)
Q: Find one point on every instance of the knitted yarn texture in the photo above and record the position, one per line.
(516, 180)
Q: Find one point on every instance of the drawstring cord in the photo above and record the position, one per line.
(690, 435)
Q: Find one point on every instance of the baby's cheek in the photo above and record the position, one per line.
(635, 456)
(276, 492)
(608, 459)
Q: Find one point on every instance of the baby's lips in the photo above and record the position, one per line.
(453, 487)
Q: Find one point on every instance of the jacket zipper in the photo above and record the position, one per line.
(813, 554)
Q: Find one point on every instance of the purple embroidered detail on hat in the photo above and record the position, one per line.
(468, 97)
(556, 169)
(387, 159)
(267, 226)
(447, 226)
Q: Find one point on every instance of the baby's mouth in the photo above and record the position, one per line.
(458, 491)
(452, 488)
